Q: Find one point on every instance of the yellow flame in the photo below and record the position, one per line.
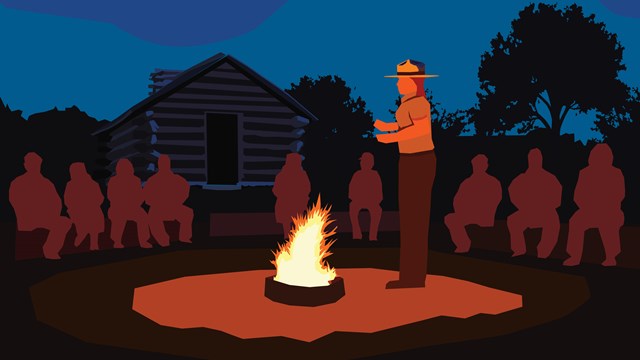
(301, 260)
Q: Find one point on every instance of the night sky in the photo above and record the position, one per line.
(98, 55)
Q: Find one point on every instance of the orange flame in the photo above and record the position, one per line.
(301, 260)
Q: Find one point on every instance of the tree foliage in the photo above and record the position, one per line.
(552, 62)
(334, 143)
(61, 137)
(622, 124)
(329, 98)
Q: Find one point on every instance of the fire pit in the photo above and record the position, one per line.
(303, 295)
(303, 277)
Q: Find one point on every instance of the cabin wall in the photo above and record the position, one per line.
(268, 129)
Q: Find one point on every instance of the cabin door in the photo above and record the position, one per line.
(222, 149)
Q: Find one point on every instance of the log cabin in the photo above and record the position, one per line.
(223, 125)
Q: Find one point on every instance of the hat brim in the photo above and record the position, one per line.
(411, 76)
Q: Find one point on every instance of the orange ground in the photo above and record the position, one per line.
(234, 303)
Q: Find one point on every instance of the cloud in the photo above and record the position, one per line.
(628, 8)
(164, 22)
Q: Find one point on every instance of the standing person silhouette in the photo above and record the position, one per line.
(365, 192)
(598, 194)
(416, 171)
(83, 199)
(291, 188)
(126, 197)
(537, 194)
(38, 206)
(165, 192)
(475, 203)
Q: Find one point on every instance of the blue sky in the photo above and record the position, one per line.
(99, 56)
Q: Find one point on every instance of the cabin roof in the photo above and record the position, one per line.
(187, 76)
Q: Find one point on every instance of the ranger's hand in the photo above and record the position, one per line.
(383, 126)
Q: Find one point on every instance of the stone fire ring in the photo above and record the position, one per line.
(303, 295)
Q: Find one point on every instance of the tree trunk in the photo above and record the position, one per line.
(555, 124)
(554, 112)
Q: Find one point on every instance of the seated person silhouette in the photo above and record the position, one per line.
(536, 194)
(475, 203)
(291, 188)
(599, 193)
(83, 198)
(365, 192)
(165, 192)
(38, 206)
(124, 192)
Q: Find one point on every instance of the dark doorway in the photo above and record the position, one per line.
(222, 149)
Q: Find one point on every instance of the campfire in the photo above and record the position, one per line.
(303, 277)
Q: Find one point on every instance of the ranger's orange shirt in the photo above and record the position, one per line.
(414, 107)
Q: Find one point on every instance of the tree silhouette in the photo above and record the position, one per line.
(61, 137)
(333, 144)
(552, 62)
(13, 126)
(13, 142)
(621, 124)
(6, 114)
